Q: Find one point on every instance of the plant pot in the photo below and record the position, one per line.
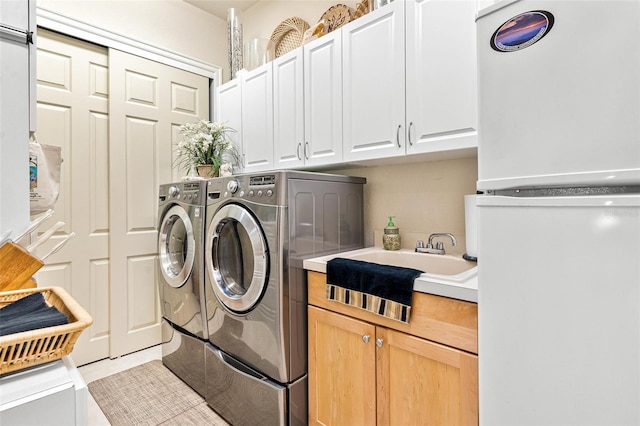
(207, 171)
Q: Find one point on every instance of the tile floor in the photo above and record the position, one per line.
(107, 367)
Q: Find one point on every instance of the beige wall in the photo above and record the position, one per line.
(172, 25)
(182, 28)
(424, 197)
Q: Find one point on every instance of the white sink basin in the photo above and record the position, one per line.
(429, 263)
(444, 275)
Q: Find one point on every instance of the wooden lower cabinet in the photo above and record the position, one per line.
(342, 370)
(424, 383)
(366, 374)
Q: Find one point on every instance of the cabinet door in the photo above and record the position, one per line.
(421, 382)
(374, 84)
(342, 378)
(441, 76)
(288, 115)
(323, 100)
(257, 118)
(229, 110)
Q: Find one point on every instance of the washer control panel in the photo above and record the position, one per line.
(189, 192)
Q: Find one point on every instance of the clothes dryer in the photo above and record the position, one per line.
(259, 229)
(181, 213)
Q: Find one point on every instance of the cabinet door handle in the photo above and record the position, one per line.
(365, 338)
(398, 135)
(379, 342)
(298, 151)
(409, 133)
(306, 150)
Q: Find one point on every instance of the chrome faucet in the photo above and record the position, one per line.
(439, 247)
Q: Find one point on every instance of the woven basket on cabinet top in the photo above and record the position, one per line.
(29, 348)
(288, 35)
(361, 9)
(336, 16)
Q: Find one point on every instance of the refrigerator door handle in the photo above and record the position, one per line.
(567, 191)
(14, 34)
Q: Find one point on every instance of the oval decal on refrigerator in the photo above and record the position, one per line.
(522, 31)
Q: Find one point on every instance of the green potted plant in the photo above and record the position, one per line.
(205, 147)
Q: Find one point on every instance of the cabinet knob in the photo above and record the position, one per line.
(398, 135)
(306, 150)
(379, 342)
(365, 338)
(298, 151)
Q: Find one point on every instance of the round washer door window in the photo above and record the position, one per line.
(176, 246)
(237, 258)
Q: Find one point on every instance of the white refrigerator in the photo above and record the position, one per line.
(559, 218)
(17, 110)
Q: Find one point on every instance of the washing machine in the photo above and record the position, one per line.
(181, 213)
(259, 229)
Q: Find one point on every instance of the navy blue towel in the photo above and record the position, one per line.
(382, 289)
(30, 303)
(29, 313)
(47, 317)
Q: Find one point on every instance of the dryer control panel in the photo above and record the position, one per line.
(256, 188)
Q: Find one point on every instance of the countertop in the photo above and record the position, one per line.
(462, 286)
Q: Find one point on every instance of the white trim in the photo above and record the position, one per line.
(65, 25)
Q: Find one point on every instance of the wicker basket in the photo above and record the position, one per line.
(361, 9)
(288, 35)
(336, 16)
(29, 348)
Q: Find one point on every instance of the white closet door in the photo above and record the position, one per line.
(110, 177)
(148, 102)
(72, 112)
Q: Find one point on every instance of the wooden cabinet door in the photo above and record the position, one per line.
(373, 61)
(342, 377)
(441, 76)
(424, 383)
(257, 118)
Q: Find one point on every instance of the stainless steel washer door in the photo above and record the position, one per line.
(237, 258)
(176, 246)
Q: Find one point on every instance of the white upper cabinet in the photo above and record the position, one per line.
(288, 110)
(323, 100)
(257, 118)
(374, 84)
(441, 82)
(307, 96)
(413, 98)
(400, 80)
(229, 111)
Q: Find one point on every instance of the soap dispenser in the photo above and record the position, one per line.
(391, 236)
